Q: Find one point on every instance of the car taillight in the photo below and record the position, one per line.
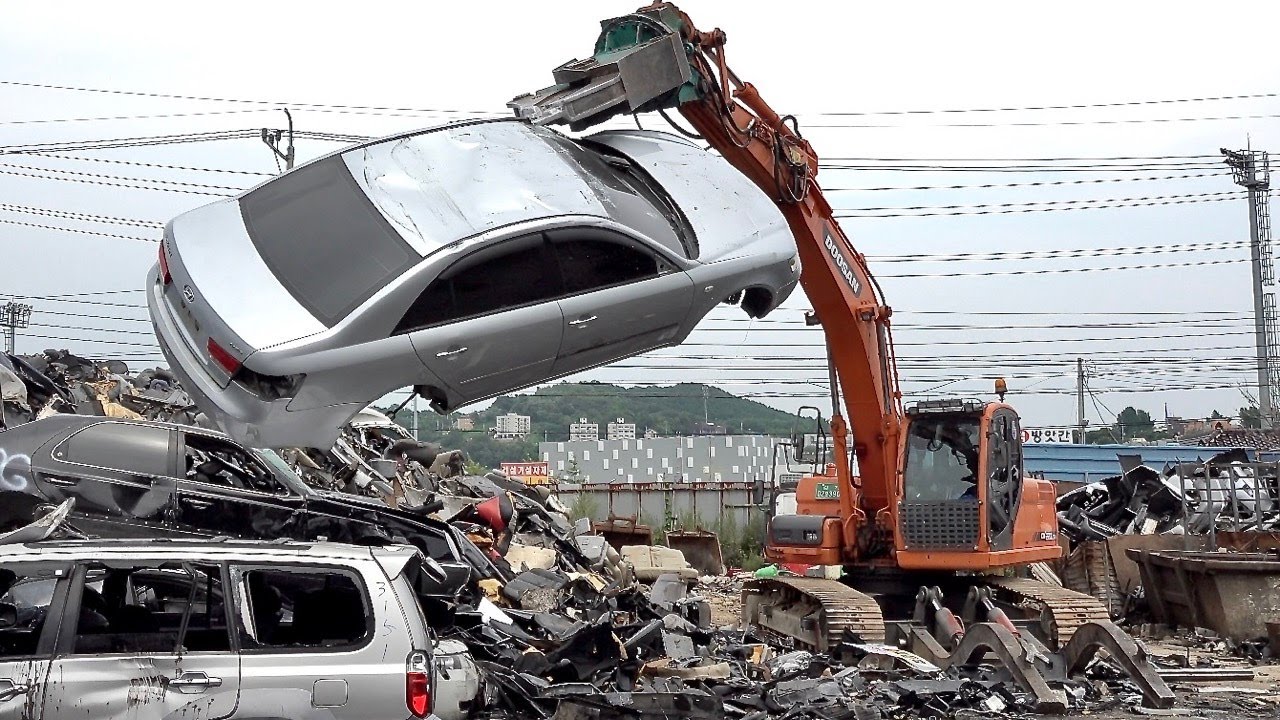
(417, 684)
(223, 358)
(164, 265)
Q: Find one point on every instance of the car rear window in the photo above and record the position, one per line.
(323, 239)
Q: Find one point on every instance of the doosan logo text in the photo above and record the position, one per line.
(841, 263)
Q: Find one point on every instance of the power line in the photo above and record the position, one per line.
(82, 158)
(69, 215)
(1040, 183)
(44, 121)
(94, 233)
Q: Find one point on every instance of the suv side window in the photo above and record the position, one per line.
(27, 592)
(214, 461)
(139, 449)
(507, 275)
(302, 609)
(158, 607)
(591, 263)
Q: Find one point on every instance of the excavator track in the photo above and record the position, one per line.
(1061, 611)
(813, 612)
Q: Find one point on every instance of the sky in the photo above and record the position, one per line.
(1174, 330)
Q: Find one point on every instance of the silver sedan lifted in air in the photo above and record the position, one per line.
(467, 261)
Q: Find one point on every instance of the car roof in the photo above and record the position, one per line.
(204, 549)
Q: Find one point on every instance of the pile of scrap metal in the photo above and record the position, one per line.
(572, 647)
(375, 457)
(1226, 492)
(57, 381)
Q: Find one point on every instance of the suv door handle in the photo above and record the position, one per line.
(194, 682)
(197, 504)
(582, 320)
(60, 481)
(455, 351)
(14, 690)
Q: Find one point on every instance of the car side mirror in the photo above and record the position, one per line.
(433, 570)
(757, 492)
(8, 616)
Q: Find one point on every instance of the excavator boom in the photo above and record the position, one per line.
(940, 487)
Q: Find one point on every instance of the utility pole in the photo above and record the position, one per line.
(14, 317)
(1250, 170)
(416, 436)
(1080, 421)
(272, 139)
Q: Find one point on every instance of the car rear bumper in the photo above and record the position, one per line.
(234, 409)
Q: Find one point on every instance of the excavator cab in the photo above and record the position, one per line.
(965, 502)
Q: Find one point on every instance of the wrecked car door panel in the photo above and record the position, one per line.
(130, 649)
(489, 323)
(621, 298)
(226, 487)
(31, 598)
(118, 473)
(303, 629)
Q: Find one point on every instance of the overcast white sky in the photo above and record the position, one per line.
(810, 59)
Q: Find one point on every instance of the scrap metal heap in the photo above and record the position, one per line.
(1226, 492)
(54, 381)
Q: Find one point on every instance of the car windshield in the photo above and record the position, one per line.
(282, 471)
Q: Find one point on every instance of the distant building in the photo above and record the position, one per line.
(723, 458)
(620, 430)
(583, 430)
(650, 433)
(512, 426)
(464, 424)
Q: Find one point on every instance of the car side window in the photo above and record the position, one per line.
(509, 275)
(26, 595)
(140, 449)
(160, 607)
(591, 263)
(214, 461)
(302, 609)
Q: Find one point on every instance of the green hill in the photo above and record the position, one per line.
(675, 410)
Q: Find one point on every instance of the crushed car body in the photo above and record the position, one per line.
(421, 259)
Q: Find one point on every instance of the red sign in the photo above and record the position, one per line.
(532, 473)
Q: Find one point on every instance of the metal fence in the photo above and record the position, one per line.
(712, 506)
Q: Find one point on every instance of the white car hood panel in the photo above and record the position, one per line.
(727, 211)
(231, 277)
(448, 184)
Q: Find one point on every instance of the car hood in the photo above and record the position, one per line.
(726, 210)
(212, 252)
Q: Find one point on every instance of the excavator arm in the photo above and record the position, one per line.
(656, 60)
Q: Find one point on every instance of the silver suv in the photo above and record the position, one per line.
(212, 629)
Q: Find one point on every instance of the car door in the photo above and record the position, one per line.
(620, 299)
(32, 595)
(489, 323)
(127, 653)
(226, 490)
(119, 474)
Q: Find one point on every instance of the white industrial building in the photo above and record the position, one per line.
(512, 426)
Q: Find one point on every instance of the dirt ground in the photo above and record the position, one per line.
(1256, 698)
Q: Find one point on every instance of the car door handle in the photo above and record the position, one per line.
(197, 504)
(194, 682)
(14, 690)
(582, 320)
(455, 351)
(64, 482)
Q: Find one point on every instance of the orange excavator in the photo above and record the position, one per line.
(940, 513)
